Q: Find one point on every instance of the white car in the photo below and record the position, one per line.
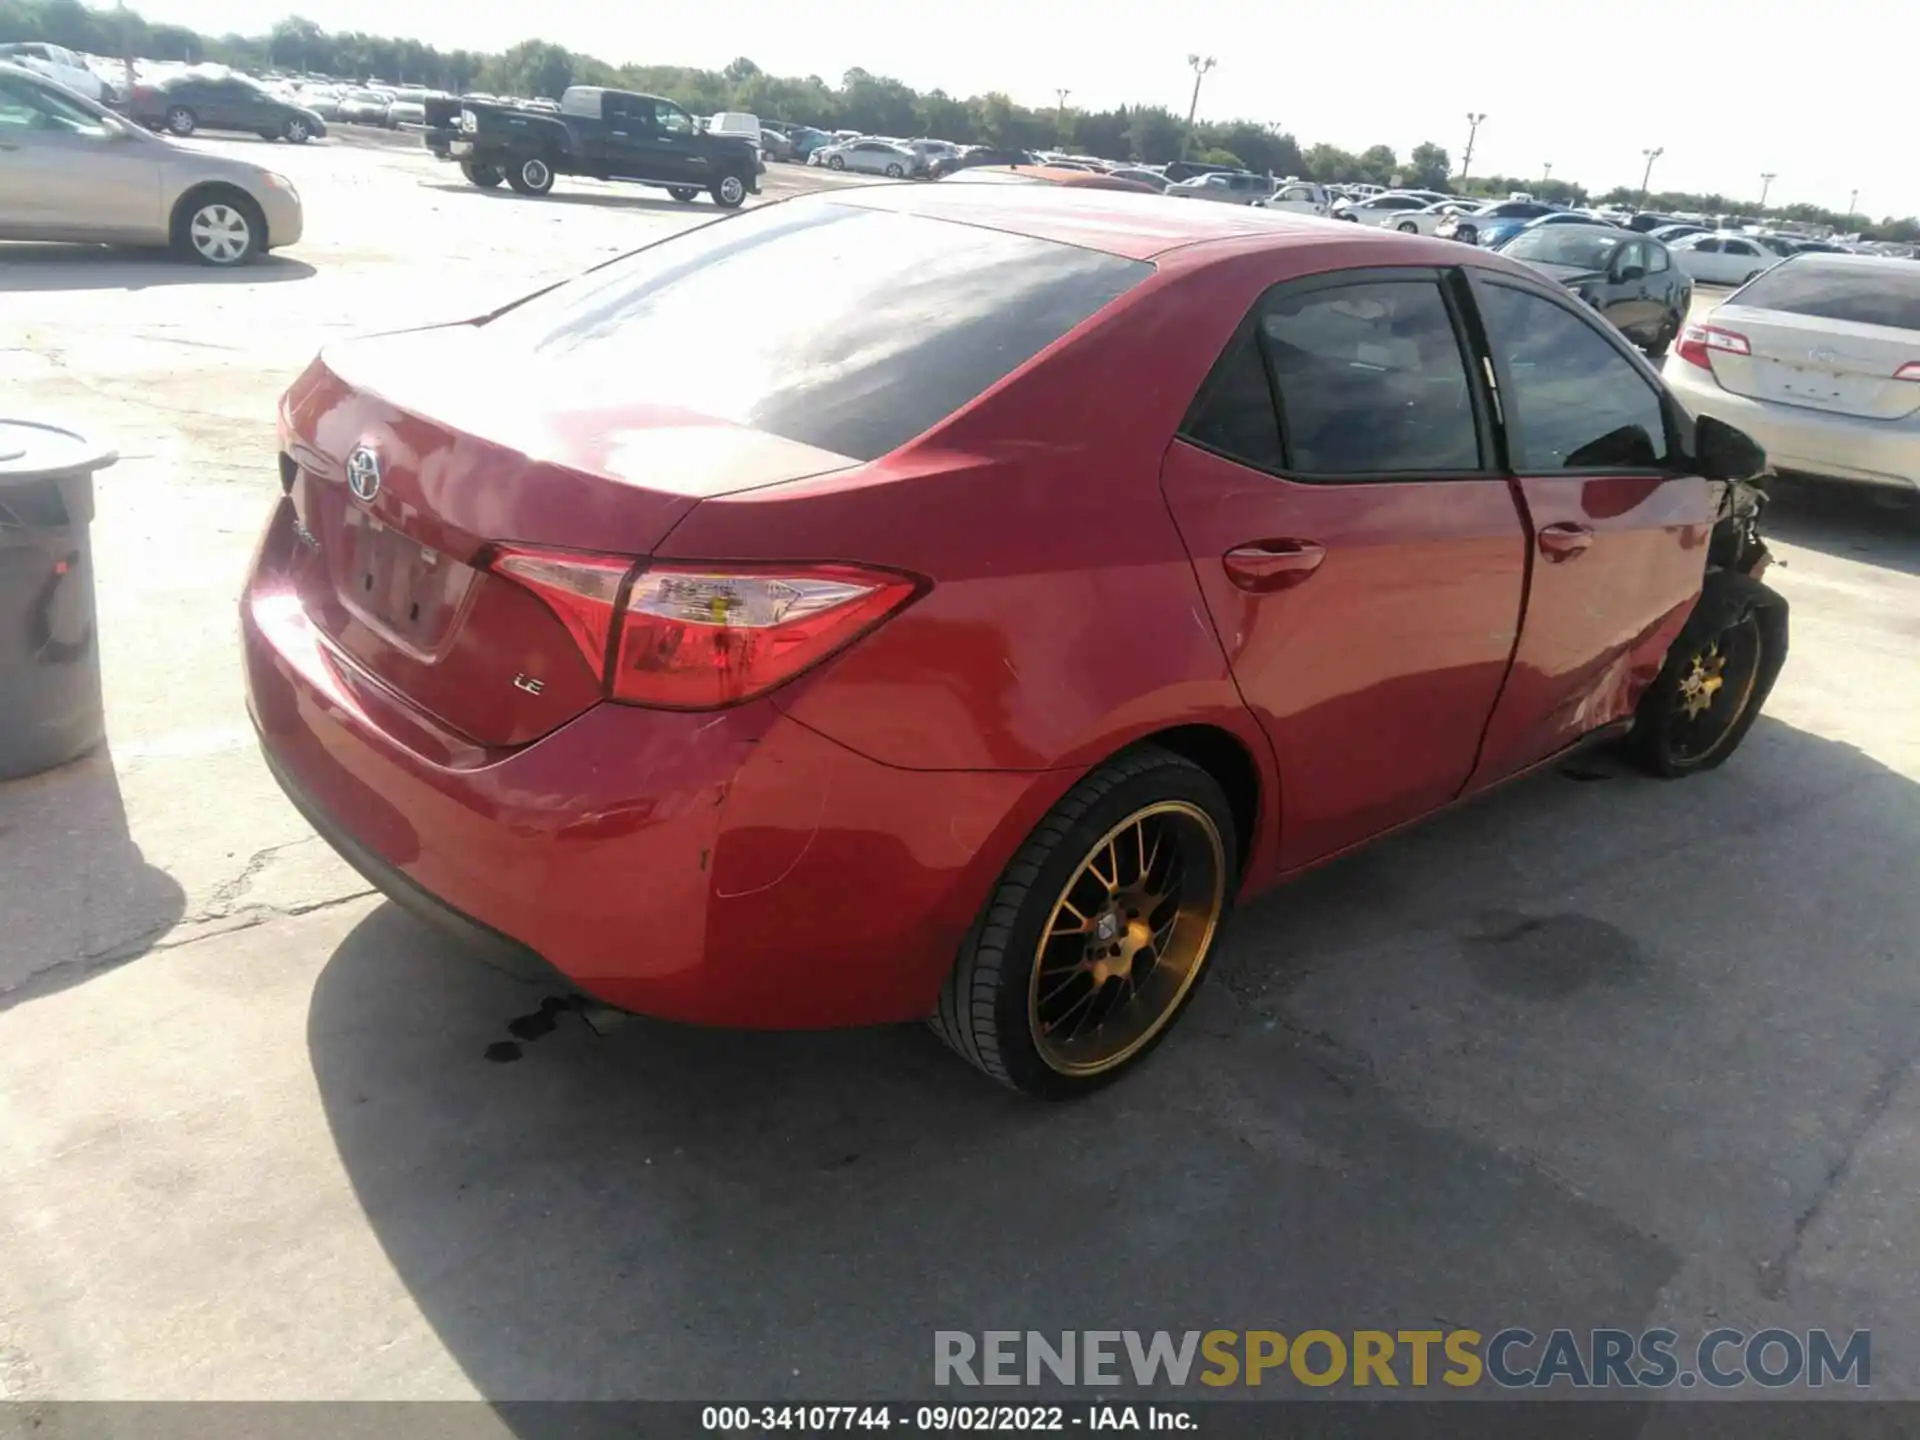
(1302, 197)
(1232, 187)
(60, 65)
(872, 157)
(1721, 258)
(738, 124)
(1385, 210)
(1816, 360)
(1424, 221)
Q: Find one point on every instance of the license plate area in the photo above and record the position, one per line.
(391, 582)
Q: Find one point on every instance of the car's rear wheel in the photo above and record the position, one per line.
(297, 132)
(532, 176)
(182, 121)
(1662, 340)
(729, 191)
(487, 177)
(836, 162)
(685, 194)
(219, 227)
(1099, 931)
(1716, 678)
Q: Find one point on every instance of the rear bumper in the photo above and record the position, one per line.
(731, 868)
(1807, 442)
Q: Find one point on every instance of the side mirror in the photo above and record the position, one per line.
(1725, 453)
(1629, 273)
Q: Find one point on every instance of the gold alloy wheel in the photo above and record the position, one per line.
(1715, 692)
(1126, 938)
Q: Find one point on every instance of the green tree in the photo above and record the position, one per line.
(1154, 134)
(1429, 167)
(533, 68)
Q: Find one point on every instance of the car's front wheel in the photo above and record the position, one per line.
(297, 132)
(221, 227)
(729, 191)
(1097, 934)
(487, 177)
(182, 121)
(1716, 677)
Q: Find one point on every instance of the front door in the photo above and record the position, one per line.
(1361, 557)
(675, 149)
(1618, 534)
(65, 175)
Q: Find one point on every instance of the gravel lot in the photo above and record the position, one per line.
(1594, 1051)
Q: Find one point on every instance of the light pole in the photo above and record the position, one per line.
(1853, 202)
(1646, 178)
(1767, 177)
(1060, 118)
(1474, 117)
(1200, 68)
(1547, 179)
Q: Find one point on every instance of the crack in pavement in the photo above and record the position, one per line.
(1774, 1273)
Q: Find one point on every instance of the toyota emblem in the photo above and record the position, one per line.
(363, 473)
(1822, 356)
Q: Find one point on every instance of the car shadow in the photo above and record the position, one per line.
(78, 897)
(1846, 521)
(576, 197)
(1346, 1131)
(40, 267)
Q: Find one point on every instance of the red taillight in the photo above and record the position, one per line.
(1908, 371)
(685, 637)
(1697, 342)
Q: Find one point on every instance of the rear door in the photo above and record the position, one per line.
(1361, 557)
(1618, 532)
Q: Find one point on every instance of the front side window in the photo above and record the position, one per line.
(902, 321)
(28, 107)
(1657, 259)
(1576, 402)
(673, 120)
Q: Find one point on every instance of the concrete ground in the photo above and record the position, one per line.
(1595, 1051)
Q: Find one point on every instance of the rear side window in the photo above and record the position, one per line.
(1578, 403)
(1885, 292)
(1370, 380)
(850, 329)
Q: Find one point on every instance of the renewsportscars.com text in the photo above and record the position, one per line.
(1513, 1358)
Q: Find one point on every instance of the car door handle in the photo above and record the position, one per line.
(1565, 540)
(1269, 565)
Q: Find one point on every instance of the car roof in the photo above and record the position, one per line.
(1135, 227)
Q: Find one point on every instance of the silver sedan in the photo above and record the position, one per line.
(72, 170)
(1818, 359)
(873, 157)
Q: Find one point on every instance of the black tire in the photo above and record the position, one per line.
(894, 171)
(988, 1013)
(836, 162)
(1658, 347)
(219, 226)
(1743, 622)
(487, 177)
(729, 192)
(181, 121)
(685, 194)
(531, 176)
(296, 131)
(1407, 227)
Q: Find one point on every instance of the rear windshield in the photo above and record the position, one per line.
(1885, 292)
(833, 325)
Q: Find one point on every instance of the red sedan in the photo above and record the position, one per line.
(947, 601)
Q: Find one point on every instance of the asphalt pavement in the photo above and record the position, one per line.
(1595, 1051)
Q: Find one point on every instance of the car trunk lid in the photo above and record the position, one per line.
(410, 458)
(1838, 366)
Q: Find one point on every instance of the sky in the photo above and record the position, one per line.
(1728, 89)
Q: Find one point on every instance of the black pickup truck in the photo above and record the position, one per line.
(607, 134)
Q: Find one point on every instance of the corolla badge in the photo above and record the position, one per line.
(363, 473)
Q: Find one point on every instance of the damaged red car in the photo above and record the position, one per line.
(959, 634)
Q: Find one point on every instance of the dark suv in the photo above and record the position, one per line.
(193, 101)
